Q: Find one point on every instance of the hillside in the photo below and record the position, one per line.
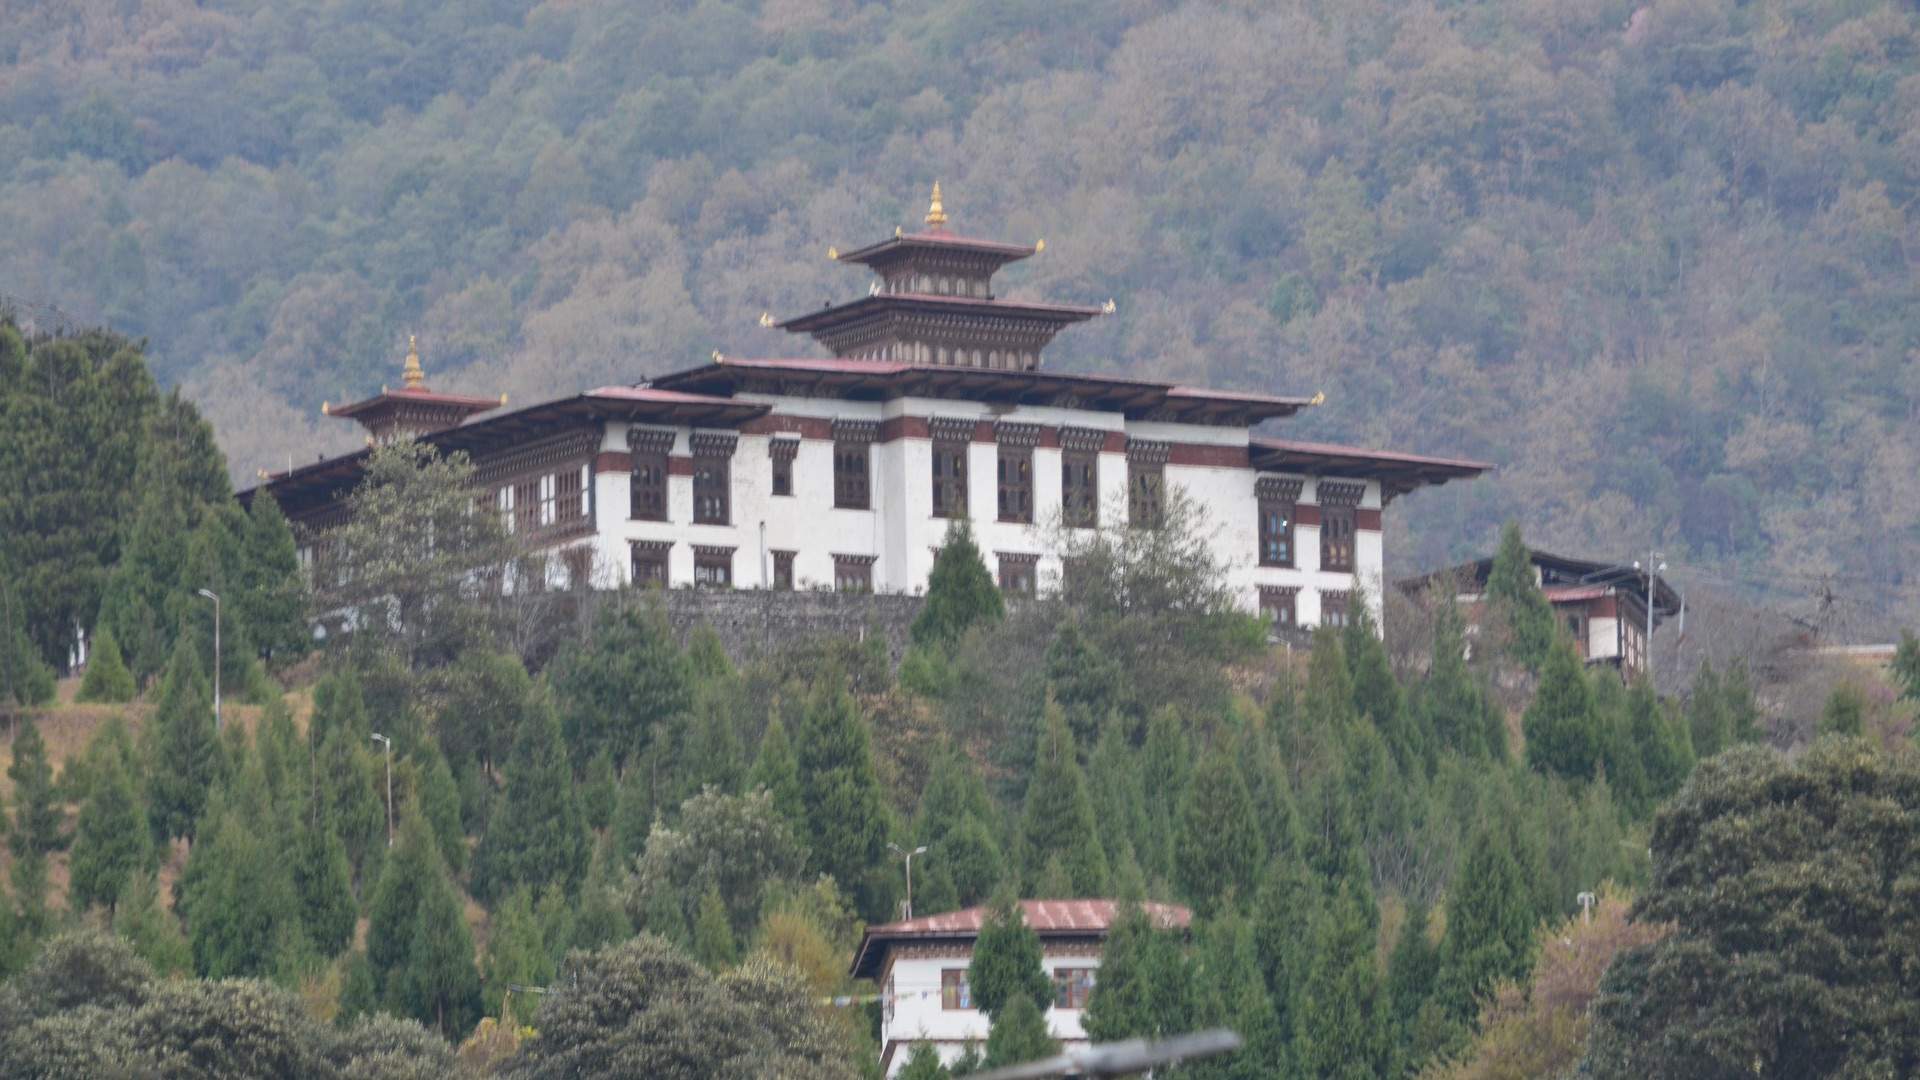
(1654, 259)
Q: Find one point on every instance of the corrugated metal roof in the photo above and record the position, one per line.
(1069, 918)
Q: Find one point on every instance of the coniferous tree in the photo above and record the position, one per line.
(1006, 959)
(395, 904)
(846, 814)
(619, 687)
(1114, 788)
(1019, 1034)
(960, 592)
(1513, 590)
(599, 790)
(776, 772)
(713, 943)
(238, 897)
(1620, 754)
(1412, 970)
(1345, 1020)
(272, 601)
(150, 928)
(1490, 924)
(1906, 666)
(438, 984)
(107, 677)
(535, 837)
(1844, 712)
(187, 757)
(1284, 914)
(1455, 705)
(516, 956)
(1666, 751)
(339, 704)
(352, 801)
(1709, 722)
(633, 815)
(1121, 1006)
(601, 918)
(323, 880)
(1165, 762)
(1058, 819)
(111, 841)
(1377, 695)
(37, 816)
(1563, 735)
(970, 860)
(923, 1063)
(1217, 850)
(486, 695)
(1743, 712)
(439, 800)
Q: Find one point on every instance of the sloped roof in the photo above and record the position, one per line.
(1089, 918)
(1397, 472)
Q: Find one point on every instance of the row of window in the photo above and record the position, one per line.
(1072, 987)
(1276, 535)
(533, 503)
(1279, 606)
(713, 567)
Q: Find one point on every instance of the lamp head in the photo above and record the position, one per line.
(208, 593)
(921, 850)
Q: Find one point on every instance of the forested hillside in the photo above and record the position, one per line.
(1656, 259)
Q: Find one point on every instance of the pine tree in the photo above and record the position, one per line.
(601, 916)
(1228, 991)
(1283, 918)
(37, 816)
(272, 601)
(1743, 712)
(187, 757)
(1412, 970)
(1120, 1007)
(1345, 1022)
(960, 592)
(1377, 694)
(1845, 712)
(1165, 761)
(1455, 704)
(1666, 751)
(1563, 735)
(970, 859)
(1019, 1034)
(107, 677)
(713, 943)
(151, 929)
(633, 815)
(395, 904)
(439, 801)
(110, 843)
(1114, 788)
(352, 801)
(620, 686)
(535, 836)
(323, 880)
(1906, 666)
(1217, 851)
(516, 956)
(438, 984)
(1058, 819)
(1514, 591)
(1625, 766)
(923, 1063)
(238, 896)
(776, 771)
(1490, 923)
(598, 792)
(846, 815)
(1708, 720)
(1006, 959)
(486, 695)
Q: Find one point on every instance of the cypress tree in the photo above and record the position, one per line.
(150, 929)
(486, 695)
(438, 984)
(1412, 969)
(1563, 734)
(1906, 666)
(1121, 1005)
(1455, 704)
(1626, 768)
(1229, 991)
(1743, 713)
(1665, 749)
(1217, 851)
(1284, 915)
(1708, 721)
(352, 801)
(1006, 959)
(777, 772)
(272, 602)
(845, 810)
(1114, 788)
(1845, 712)
(633, 815)
(601, 917)
(37, 816)
(953, 793)
(1377, 695)
(324, 882)
(187, 758)
(923, 1063)
(439, 800)
(1514, 592)
(107, 677)
(970, 860)
(1165, 761)
(618, 688)
(395, 904)
(1490, 920)
(713, 943)
(1019, 1034)
(1345, 1024)
(599, 790)
(1058, 818)
(238, 897)
(960, 592)
(110, 843)
(535, 836)
(339, 704)
(516, 956)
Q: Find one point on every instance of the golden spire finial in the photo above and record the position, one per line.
(1319, 398)
(936, 214)
(411, 374)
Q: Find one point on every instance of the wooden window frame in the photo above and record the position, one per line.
(526, 506)
(1073, 986)
(955, 994)
(853, 463)
(1080, 476)
(651, 553)
(1278, 502)
(952, 440)
(1015, 471)
(783, 570)
(713, 477)
(782, 452)
(712, 567)
(1018, 573)
(570, 496)
(647, 483)
(1280, 606)
(1147, 483)
(853, 573)
(1339, 503)
(1335, 609)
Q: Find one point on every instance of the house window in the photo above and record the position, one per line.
(1276, 533)
(950, 479)
(954, 992)
(1080, 488)
(1277, 606)
(851, 442)
(1333, 609)
(571, 502)
(713, 567)
(1016, 484)
(1018, 573)
(649, 486)
(783, 451)
(1146, 483)
(853, 573)
(1336, 538)
(1072, 987)
(526, 505)
(650, 563)
(710, 476)
(783, 570)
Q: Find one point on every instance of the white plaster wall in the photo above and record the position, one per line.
(917, 1015)
(1603, 638)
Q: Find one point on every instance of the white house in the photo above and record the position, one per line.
(920, 966)
(844, 472)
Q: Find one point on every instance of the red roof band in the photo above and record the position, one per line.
(1048, 918)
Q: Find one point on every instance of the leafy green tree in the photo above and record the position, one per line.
(107, 677)
(1743, 712)
(110, 843)
(1791, 920)
(734, 846)
(536, 835)
(1057, 821)
(1845, 711)
(485, 697)
(1513, 592)
(713, 943)
(619, 688)
(599, 789)
(1019, 1034)
(1666, 751)
(25, 679)
(1217, 851)
(1490, 927)
(1708, 718)
(516, 956)
(186, 755)
(1564, 736)
(777, 772)
(846, 814)
(960, 592)
(1006, 959)
(151, 929)
(37, 815)
(601, 918)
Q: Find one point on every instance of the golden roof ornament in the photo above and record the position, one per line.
(411, 374)
(766, 319)
(1319, 398)
(936, 214)
(1040, 245)
(1109, 307)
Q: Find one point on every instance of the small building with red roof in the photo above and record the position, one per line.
(920, 968)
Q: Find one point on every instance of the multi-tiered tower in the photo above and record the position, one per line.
(933, 303)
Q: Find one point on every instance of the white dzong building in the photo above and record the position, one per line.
(844, 471)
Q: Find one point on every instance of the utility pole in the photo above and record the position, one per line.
(209, 594)
(898, 850)
(1656, 563)
(388, 743)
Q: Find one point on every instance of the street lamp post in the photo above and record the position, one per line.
(388, 743)
(1656, 563)
(898, 850)
(211, 595)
